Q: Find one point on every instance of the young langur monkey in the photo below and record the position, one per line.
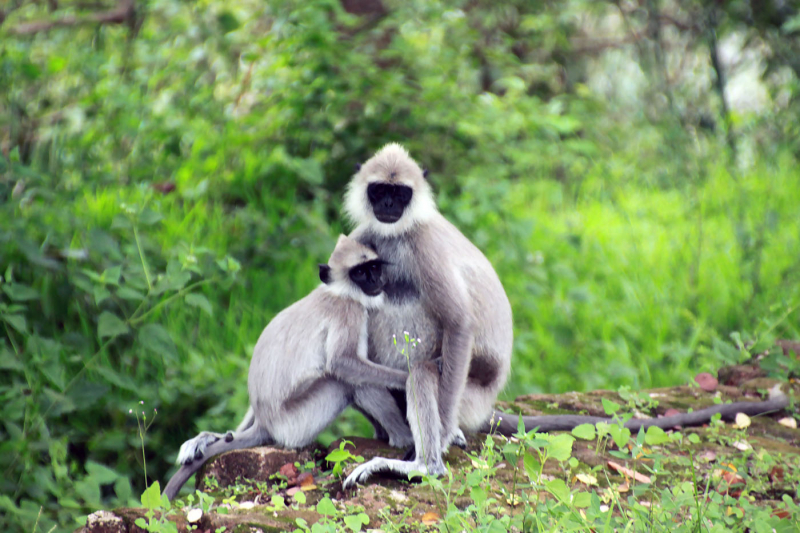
(309, 364)
(441, 288)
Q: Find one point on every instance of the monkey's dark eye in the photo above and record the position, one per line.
(357, 272)
(403, 194)
(375, 267)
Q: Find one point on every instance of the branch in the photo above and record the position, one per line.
(124, 12)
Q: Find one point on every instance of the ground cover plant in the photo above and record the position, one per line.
(171, 173)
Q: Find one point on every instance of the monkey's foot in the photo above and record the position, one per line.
(459, 440)
(393, 466)
(403, 440)
(196, 448)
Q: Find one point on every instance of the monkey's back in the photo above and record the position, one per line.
(290, 353)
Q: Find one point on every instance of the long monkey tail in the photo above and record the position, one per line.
(507, 424)
(253, 435)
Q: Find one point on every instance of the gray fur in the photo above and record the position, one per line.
(451, 298)
(441, 288)
(308, 365)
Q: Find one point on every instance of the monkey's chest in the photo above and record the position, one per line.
(390, 326)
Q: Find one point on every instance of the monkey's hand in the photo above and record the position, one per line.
(196, 448)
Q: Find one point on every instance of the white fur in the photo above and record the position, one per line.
(358, 209)
(347, 290)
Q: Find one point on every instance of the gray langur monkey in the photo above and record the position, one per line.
(309, 364)
(441, 288)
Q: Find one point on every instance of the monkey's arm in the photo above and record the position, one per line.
(344, 347)
(447, 294)
(353, 370)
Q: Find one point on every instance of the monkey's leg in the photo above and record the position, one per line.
(380, 406)
(195, 448)
(423, 417)
(252, 436)
(301, 418)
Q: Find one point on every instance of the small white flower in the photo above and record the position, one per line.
(130, 411)
(155, 410)
(405, 333)
(141, 402)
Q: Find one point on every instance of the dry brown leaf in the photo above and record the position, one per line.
(292, 491)
(624, 470)
(305, 479)
(290, 471)
(781, 513)
(623, 488)
(671, 412)
(789, 422)
(777, 474)
(742, 421)
(430, 518)
(706, 381)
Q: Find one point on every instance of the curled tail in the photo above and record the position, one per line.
(251, 436)
(507, 424)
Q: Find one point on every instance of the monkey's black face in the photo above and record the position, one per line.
(388, 201)
(368, 276)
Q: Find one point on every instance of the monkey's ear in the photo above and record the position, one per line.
(425, 173)
(358, 167)
(324, 273)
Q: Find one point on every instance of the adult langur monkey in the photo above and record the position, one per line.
(309, 364)
(442, 289)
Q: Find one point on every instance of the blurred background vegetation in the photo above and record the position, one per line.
(171, 172)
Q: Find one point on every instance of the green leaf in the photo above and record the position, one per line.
(148, 217)
(100, 294)
(300, 497)
(496, 526)
(326, 507)
(355, 522)
(198, 300)
(532, 466)
(141, 522)
(621, 435)
(151, 498)
(584, 431)
(111, 275)
(610, 407)
(560, 446)
(110, 325)
(19, 292)
(559, 489)
(155, 338)
(101, 474)
(17, 322)
(126, 293)
(655, 436)
(337, 456)
(478, 496)
(582, 499)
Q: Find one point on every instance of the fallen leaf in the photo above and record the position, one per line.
(164, 187)
(586, 479)
(671, 412)
(706, 381)
(781, 513)
(742, 445)
(305, 479)
(641, 478)
(308, 487)
(292, 491)
(742, 421)
(777, 474)
(623, 488)
(290, 471)
(707, 456)
(430, 518)
(789, 422)
(246, 505)
(732, 478)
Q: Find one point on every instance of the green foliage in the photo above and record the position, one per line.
(341, 457)
(167, 185)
